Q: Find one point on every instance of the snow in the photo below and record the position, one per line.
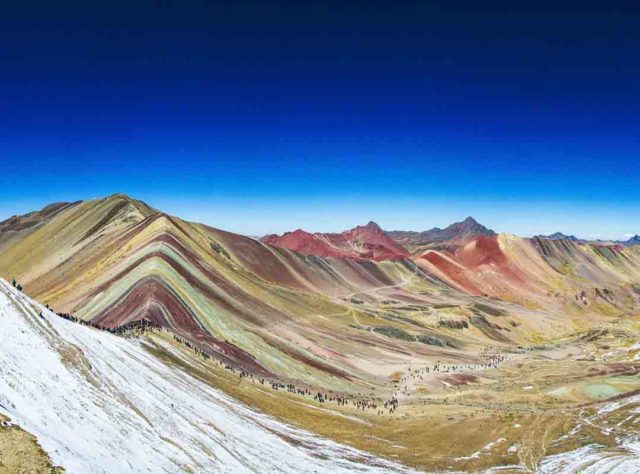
(594, 458)
(484, 450)
(101, 403)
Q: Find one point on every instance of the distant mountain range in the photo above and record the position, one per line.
(635, 240)
(372, 242)
(458, 231)
(559, 236)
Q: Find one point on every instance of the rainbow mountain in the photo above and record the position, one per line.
(277, 311)
(352, 313)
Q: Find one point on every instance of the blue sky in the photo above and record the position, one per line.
(264, 117)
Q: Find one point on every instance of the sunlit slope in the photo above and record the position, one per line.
(63, 252)
(270, 311)
(554, 275)
(102, 403)
(18, 227)
(335, 322)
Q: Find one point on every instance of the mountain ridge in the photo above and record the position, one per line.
(455, 233)
(361, 242)
(560, 236)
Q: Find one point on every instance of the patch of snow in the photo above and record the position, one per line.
(592, 459)
(486, 449)
(585, 357)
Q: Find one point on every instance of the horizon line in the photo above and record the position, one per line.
(588, 238)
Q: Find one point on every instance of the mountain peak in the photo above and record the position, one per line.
(373, 226)
(468, 226)
(120, 199)
(458, 231)
(119, 196)
(368, 241)
(635, 240)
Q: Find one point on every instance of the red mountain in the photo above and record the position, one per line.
(361, 242)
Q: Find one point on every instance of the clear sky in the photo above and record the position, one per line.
(269, 116)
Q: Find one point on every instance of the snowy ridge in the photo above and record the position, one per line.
(102, 403)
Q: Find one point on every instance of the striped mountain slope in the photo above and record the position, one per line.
(322, 320)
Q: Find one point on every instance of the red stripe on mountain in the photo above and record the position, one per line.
(453, 272)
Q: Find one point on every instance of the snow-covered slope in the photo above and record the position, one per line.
(623, 458)
(102, 403)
